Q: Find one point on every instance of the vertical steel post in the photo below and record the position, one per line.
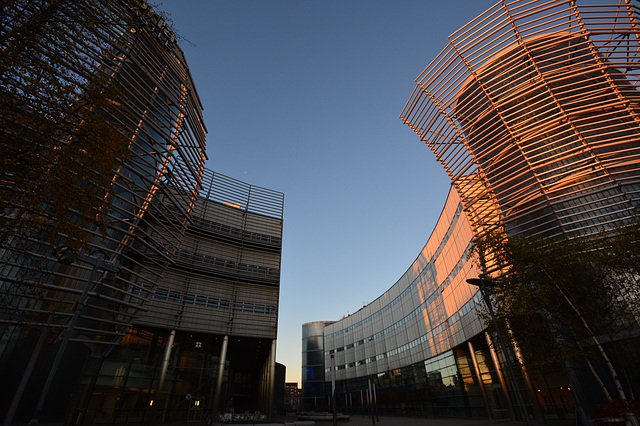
(476, 367)
(480, 284)
(165, 364)
(99, 263)
(333, 389)
(272, 378)
(369, 397)
(223, 356)
(163, 374)
(25, 379)
(375, 402)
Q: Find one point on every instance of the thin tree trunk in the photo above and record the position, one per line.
(593, 370)
(612, 370)
(597, 377)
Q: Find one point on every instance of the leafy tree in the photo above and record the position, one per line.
(570, 299)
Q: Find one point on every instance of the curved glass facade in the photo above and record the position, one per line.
(412, 342)
(422, 315)
(422, 345)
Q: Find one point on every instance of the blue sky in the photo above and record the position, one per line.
(303, 97)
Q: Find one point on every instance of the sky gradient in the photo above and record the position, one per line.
(303, 97)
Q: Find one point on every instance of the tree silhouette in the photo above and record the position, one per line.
(566, 299)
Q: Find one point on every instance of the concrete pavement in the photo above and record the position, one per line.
(358, 420)
(414, 421)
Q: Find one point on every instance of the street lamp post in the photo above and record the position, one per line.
(482, 284)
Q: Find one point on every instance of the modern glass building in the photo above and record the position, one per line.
(420, 346)
(206, 342)
(169, 312)
(532, 109)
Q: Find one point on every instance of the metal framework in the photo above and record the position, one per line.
(223, 286)
(226, 275)
(534, 111)
(127, 43)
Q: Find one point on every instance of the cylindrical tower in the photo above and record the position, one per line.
(313, 394)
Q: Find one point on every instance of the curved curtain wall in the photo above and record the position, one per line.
(430, 310)
(420, 348)
(533, 111)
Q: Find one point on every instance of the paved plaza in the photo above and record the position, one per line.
(414, 421)
(358, 420)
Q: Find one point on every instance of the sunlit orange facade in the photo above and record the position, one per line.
(537, 104)
(417, 322)
(533, 109)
